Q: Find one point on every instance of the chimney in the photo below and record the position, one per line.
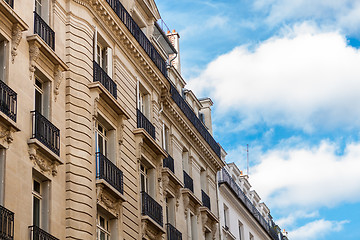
(175, 58)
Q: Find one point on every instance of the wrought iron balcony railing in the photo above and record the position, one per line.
(138, 34)
(8, 101)
(101, 76)
(188, 182)
(151, 208)
(6, 224)
(173, 233)
(143, 122)
(10, 2)
(108, 171)
(169, 163)
(205, 200)
(44, 131)
(44, 31)
(189, 113)
(224, 177)
(37, 233)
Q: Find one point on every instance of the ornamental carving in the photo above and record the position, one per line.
(6, 135)
(16, 35)
(58, 77)
(45, 165)
(165, 183)
(34, 52)
(148, 233)
(109, 203)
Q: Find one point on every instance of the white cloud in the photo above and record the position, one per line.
(305, 79)
(339, 14)
(316, 229)
(293, 216)
(308, 178)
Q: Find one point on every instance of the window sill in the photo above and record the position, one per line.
(7, 128)
(150, 142)
(172, 177)
(108, 98)
(192, 197)
(12, 16)
(228, 234)
(211, 216)
(109, 198)
(152, 227)
(111, 190)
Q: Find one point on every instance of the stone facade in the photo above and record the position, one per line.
(95, 142)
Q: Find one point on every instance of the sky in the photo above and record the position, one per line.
(284, 76)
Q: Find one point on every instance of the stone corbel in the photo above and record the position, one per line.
(204, 218)
(96, 102)
(186, 200)
(34, 52)
(214, 228)
(16, 35)
(165, 183)
(45, 165)
(58, 77)
(7, 135)
(121, 126)
(177, 195)
(112, 205)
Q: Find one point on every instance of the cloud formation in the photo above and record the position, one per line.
(305, 79)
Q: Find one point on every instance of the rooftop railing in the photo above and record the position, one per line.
(138, 34)
(6, 224)
(101, 76)
(189, 113)
(227, 179)
(8, 101)
(169, 163)
(173, 233)
(188, 182)
(46, 132)
(39, 234)
(108, 171)
(44, 31)
(151, 208)
(143, 122)
(205, 200)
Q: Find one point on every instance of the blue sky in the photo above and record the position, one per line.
(285, 79)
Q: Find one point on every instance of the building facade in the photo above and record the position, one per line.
(99, 138)
(242, 215)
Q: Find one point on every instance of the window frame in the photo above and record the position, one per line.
(106, 229)
(104, 134)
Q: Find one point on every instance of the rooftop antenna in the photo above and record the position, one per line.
(247, 159)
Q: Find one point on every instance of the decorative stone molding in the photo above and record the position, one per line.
(34, 52)
(58, 77)
(96, 103)
(165, 183)
(45, 164)
(16, 35)
(6, 135)
(147, 232)
(214, 229)
(107, 201)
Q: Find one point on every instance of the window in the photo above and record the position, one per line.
(42, 9)
(36, 202)
(3, 59)
(202, 117)
(226, 217)
(241, 231)
(194, 227)
(203, 180)
(185, 160)
(165, 133)
(144, 182)
(42, 95)
(101, 139)
(40, 201)
(103, 228)
(104, 55)
(143, 100)
(2, 175)
(170, 210)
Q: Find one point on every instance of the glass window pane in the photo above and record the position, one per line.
(38, 101)
(100, 144)
(36, 186)
(36, 212)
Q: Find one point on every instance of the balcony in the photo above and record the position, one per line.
(229, 181)
(44, 131)
(143, 122)
(101, 76)
(44, 31)
(189, 113)
(205, 200)
(151, 208)
(8, 101)
(37, 233)
(10, 2)
(169, 163)
(138, 34)
(108, 171)
(173, 233)
(6, 224)
(188, 182)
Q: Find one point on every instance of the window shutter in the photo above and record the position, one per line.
(109, 61)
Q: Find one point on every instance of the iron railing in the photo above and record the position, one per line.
(101, 76)
(143, 122)
(173, 233)
(10, 2)
(224, 177)
(44, 131)
(151, 208)
(169, 163)
(188, 182)
(108, 171)
(8, 101)
(189, 113)
(205, 200)
(37, 233)
(6, 224)
(138, 34)
(44, 31)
